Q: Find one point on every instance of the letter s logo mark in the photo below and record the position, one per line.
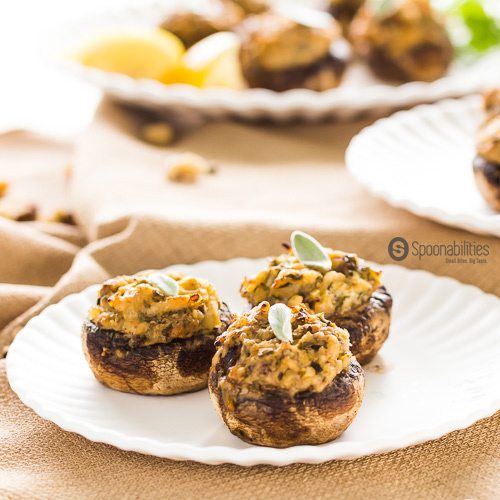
(398, 249)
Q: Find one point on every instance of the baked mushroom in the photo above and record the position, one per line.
(486, 164)
(344, 11)
(303, 49)
(154, 332)
(338, 284)
(192, 24)
(403, 41)
(285, 377)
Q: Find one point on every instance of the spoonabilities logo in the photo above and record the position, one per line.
(398, 248)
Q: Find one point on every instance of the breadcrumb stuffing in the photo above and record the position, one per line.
(136, 307)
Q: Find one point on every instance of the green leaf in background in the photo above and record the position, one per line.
(165, 283)
(280, 319)
(483, 28)
(310, 252)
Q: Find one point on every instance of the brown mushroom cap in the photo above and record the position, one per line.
(175, 367)
(280, 420)
(368, 326)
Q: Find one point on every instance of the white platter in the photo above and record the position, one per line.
(421, 160)
(360, 92)
(437, 372)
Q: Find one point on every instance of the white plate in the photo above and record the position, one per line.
(360, 92)
(437, 372)
(421, 160)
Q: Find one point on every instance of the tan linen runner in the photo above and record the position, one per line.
(270, 180)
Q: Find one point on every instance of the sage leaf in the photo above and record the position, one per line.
(280, 319)
(310, 252)
(165, 283)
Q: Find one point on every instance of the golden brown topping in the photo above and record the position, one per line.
(277, 42)
(187, 167)
(135, 306)
(488, 139)
(348, 285)
(259, 361)
(206, 18)
(409, 35)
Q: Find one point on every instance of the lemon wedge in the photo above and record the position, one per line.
(213, 62)
(154, 54)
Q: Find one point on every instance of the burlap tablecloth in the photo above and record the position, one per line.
(270, 180)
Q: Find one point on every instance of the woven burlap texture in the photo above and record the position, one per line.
(270, 180)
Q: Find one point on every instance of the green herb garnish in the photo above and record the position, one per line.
(310, 252)
(280, 320)
(164, 282)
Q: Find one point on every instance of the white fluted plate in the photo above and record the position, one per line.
(437, 372)
(360, 93)
(421, 160)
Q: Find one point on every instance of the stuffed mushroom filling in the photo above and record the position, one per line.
(348, 285)
(257, 361)
(139, 309)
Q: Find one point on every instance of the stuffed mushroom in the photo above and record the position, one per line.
(303, 49)
(403, 41)
(282, 379)
(192, 24)
(342, 286)
(487, 161)
(154, 333)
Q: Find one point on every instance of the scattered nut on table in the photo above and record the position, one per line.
(157, 133)
(63, 217)
(4, 186)
(187, 167)
(20, 212)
